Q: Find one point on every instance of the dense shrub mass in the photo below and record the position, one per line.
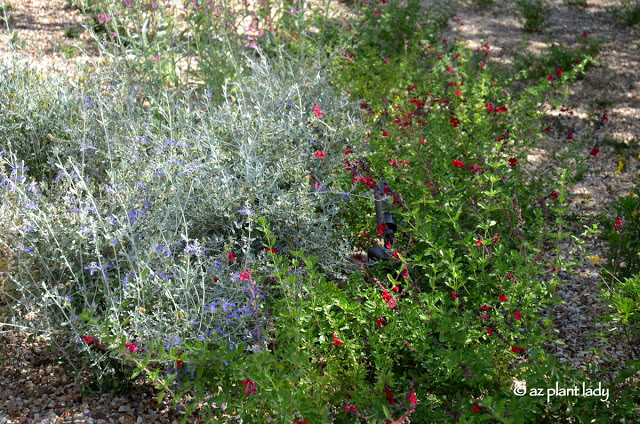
(149, 216)
(213, 229)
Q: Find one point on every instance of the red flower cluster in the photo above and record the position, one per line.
(457, 163)
(250, 388)
(490, 108)
(337, 341)
(502, 297)
(317, 111)
(244, 276)
(319, 154)
(391, 301)
(133, 348)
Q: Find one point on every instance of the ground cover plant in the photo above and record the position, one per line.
(218, 236)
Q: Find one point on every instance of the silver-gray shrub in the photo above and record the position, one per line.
(129, 238)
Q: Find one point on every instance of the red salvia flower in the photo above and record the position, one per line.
(517, 315)
(250, 387)
(454, 295)
(457, 163)
(489, 331)
(232, 257)
(515, 349)
(88, 340)
(513, 162)
(389, 396)
(594, 152)
(133, 348)
(319, 154)
(502, 297)
(412, 397)
(476, 408)
(317, 111)
(554, 195)
(337, 341)
(485, 308)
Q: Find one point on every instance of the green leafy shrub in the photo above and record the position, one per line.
(558, 59)
(628, 12)
(621, 232)
(145, 235)
(534, 14)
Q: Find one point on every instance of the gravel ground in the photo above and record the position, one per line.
(34, 388)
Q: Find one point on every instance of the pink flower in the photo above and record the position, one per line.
(250, 388)
(232, 257)
(486, 308)
(454, 295)
(317, 111)
(484, 317)
(350, 408)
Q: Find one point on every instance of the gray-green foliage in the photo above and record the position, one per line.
(129, 236)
